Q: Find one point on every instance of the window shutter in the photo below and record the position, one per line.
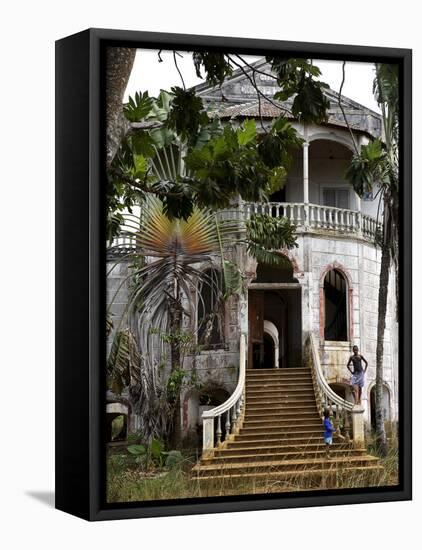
(342, 198)
(329, 197)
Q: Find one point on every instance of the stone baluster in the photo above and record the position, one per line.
(239, 407)
(234, 418)
(346, 427)
(299, 216)
(336, 219)
(227, 425)
(337, 419)
(219, 432)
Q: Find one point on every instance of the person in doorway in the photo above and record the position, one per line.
(328, 432)
(358, 374)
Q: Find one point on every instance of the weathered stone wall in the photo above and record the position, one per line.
(358, 260)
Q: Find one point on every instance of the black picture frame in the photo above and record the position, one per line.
(80, 274)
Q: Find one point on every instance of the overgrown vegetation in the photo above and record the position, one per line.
(128, 481)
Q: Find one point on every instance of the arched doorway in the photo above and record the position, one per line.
(335, 306)
(275, 318)
(116, 422)
(271, 345)
(209, 322)
(343, 390)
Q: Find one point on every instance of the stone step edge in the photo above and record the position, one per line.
(284, 463)
(289, 474)
(223, 456)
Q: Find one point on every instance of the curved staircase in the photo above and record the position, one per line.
(281, 436)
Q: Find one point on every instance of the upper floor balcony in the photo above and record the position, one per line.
(318, 218)
(307, 217)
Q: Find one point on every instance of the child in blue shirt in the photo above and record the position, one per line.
(328, 432)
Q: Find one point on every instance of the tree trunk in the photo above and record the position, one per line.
(119, 63)
(175, 328)
(382, 312)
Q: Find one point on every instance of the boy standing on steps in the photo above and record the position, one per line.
(358, 374)
(328, 432)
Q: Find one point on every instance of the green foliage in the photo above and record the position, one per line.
(186, 114)
(137, 450)
(220, 163)
(234, 163)
(215, 66)
(233, 282)
(138, 107)
(173, 459)
(246, 133)
(297, 79)
(266, 235)
(275, 147)
(368, 168)
(175, 383)
(117, 426)
(124, 362)
(149, 455)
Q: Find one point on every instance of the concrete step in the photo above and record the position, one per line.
(254, 441)
(281, 390)
(296, 465)
(268, 398)
(285, 382)
(264, 447)
(293, 407)
(278, 434)
(294, 383)
(223, 457)
(294, 399)
(304, 376)
(280, 421)
(281, 431)
(280, 373)
(266, 408)
(253, 416)
(292, 476)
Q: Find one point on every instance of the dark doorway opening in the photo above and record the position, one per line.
(269, 349)
(335, 299)
(275, 318)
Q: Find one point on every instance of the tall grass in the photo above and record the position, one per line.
(128, 482)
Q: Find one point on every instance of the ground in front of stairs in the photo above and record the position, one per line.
(127, 481)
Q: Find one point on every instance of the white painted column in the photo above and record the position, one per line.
(305, 148)
(358, 425)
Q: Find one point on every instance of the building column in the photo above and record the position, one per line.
(305, 148)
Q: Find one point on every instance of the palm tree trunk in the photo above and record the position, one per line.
(382, 312)
(175, 329)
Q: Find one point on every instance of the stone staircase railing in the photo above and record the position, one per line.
(347, 417)
(228, 415)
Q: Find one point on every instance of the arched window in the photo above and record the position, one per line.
(335, 304)
(210, 320)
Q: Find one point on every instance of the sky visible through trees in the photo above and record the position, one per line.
(149, 74)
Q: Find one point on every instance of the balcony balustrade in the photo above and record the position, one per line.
(313, 218)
